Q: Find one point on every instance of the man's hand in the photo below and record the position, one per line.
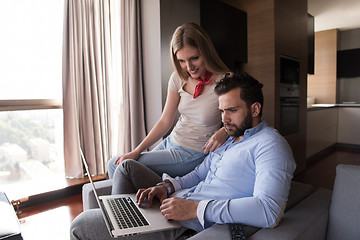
(179, 209)
(158, 191)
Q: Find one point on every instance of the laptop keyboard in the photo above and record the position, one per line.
(126, 213)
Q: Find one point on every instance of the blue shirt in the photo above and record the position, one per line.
(245, 182)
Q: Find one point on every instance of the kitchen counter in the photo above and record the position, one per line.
(315, 107)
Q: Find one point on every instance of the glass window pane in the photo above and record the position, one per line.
(31, 150)
(31, 49)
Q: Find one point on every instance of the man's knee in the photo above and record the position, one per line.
(76, 228)
(216, 231)
(128, 166)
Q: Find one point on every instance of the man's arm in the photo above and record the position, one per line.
(179, 209)
(274, 166)
(172, 208)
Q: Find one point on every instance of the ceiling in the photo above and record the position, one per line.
(340, 14)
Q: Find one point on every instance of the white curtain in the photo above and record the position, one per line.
(102, 92)
(87, 71)
(132, 74)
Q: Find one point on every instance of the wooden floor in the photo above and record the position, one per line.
(52, 220)
(321, 174)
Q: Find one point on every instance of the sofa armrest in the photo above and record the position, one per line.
(102, 188)
(307, 220)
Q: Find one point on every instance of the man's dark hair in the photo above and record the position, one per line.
(250, 88)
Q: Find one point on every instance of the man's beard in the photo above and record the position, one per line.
(239, 131)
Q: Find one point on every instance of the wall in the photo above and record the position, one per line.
(277, 28)
(349, 39)
(322, 85)
(348, 88)
(159, 20)
(151, 43)
(261, 49)
(173, 13)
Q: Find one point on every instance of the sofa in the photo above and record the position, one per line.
(310, 213)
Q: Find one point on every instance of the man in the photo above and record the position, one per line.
(246, 180)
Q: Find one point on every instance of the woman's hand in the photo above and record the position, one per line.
(131, 155)
(216, 140)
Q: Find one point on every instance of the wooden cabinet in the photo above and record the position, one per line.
(322, 85)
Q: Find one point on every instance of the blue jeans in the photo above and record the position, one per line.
(167, 157)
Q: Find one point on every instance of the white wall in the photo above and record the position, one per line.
(151, 43)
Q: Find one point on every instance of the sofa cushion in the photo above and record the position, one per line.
(298, 192)
(345, 207)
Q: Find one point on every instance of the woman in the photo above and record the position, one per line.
(191, 92)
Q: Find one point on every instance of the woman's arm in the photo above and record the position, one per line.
(160, 129)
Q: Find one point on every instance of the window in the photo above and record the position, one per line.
(31, 124)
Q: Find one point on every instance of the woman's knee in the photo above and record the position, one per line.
(112, 167)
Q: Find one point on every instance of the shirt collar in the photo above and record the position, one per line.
(252, 131)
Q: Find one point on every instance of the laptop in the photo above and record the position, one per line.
(123, 217)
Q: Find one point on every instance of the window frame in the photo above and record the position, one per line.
(30, 104)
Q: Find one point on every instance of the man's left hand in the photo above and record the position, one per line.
(179, 209)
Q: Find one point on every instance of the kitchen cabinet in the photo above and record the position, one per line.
(348, 126)
(321, 130)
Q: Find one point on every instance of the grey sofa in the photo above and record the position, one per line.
(309, 214)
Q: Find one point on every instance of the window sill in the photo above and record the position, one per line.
(66, 188)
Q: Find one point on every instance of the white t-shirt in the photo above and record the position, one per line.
(199, 118)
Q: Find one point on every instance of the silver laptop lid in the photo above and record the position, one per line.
(106, 217)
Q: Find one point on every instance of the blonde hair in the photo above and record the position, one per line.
(193, 35)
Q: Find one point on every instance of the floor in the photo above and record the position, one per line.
(52, 220)
(322, 173)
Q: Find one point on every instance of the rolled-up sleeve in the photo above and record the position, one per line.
(176, 185)
(201, 212)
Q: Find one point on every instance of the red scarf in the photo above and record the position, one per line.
(199, 87)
